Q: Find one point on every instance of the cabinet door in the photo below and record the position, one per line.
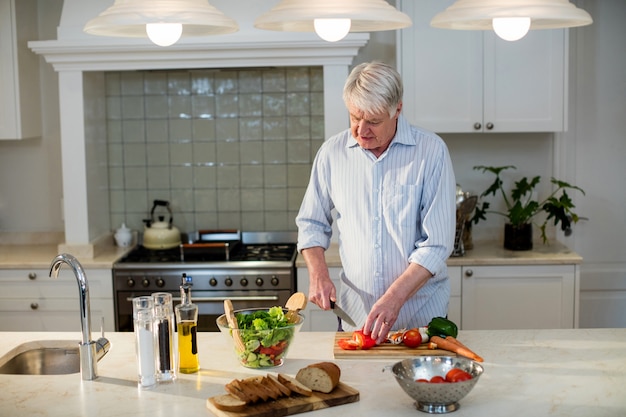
(441, 71)
(454, 308)
(519, 297)
(20, 107)
(524, 82)
(460, 81)
(33, 301)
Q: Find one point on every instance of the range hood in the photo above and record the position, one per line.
(81, 60)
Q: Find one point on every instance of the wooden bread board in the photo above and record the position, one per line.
(385, 351)
(286, 406)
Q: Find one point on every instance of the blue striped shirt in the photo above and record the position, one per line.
(390, 211)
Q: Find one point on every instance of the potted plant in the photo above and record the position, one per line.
(521, 208)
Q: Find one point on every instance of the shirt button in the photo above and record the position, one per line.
(377, 246)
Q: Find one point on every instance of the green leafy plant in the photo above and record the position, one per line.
(521, 208)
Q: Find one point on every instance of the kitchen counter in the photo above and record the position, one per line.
(537, 373)
(489, 253)
(40, 256)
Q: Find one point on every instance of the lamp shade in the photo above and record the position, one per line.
(128, 18)
(479, 14)
(365, 15)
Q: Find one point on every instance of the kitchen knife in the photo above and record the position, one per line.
(341, 314)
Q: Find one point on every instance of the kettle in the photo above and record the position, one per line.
(160, 234)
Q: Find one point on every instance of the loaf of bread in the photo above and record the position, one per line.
(322, 377)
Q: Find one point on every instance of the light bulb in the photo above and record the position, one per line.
(164, 34)
(332, 30)
(511, 28)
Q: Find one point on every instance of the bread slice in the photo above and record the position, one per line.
(294, 385)
(246, 389)
(234, 389)
(281, 387)
(265, 391)
(322, 377)
(227, 402)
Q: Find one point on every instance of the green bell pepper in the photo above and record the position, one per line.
(441, 326)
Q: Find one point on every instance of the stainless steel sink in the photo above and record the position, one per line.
(42, 357)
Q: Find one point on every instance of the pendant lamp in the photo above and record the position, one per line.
(163, 21)
(511, 19)
(332, 19)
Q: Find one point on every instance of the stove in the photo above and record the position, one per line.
(250, 269)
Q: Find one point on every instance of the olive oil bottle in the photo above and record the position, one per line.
(187, 324)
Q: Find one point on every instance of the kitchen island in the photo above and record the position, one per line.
(565, 372)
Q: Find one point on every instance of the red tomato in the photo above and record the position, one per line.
(412, 338)
(457, 375)
(437, 379)
(364, 341)
(422, 380)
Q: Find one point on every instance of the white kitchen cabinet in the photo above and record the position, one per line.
(602, 297)
(519, 297)
(454, 307)
(31, 300)
(20, 106)
(459, 81)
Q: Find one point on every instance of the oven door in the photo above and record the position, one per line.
(210, 305)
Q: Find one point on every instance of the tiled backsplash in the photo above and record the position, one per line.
(228, 148)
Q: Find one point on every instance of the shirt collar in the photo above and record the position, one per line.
(402, 136)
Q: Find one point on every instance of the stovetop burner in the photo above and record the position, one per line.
(252, 252)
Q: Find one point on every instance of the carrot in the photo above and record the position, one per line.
(457, 347)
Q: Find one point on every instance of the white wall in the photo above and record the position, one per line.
(595, 149)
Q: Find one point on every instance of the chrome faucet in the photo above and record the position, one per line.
(90, 351)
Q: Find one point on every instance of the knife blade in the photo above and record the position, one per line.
(342, 314)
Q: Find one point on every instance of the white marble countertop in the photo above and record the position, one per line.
(489, 253)
(580, 372)
(40, 256)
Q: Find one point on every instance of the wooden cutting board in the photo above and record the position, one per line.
(342, 394)
(385, 351)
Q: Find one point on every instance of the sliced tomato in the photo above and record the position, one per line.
(364, 341)
(348, 344)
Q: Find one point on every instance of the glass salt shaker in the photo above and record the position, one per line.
(143, 320)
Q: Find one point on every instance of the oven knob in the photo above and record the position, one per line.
(244, 282)
(259, 281)
(228, 282)
(130, 282)
(145, 282)
(213, 282)
(160, 282)
(274, 280)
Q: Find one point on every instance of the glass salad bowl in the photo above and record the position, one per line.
(263, 337)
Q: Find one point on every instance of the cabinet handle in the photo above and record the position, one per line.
(489, 126)
(477, 126)
(469, 273)
(32, 275)
(34, 306)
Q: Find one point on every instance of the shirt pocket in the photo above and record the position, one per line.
(401, 206)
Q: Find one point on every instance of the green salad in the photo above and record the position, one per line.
(266, 334)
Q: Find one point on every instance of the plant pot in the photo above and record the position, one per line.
(518, 237)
